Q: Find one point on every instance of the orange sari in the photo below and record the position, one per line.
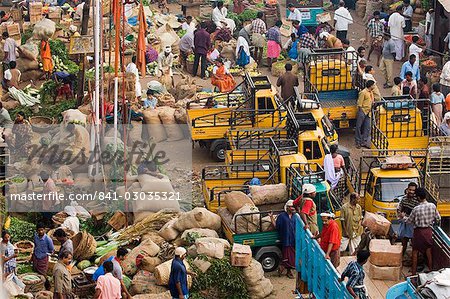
(225, 82)
(46, 56)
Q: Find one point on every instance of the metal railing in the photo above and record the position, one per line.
(248, 221)
(217, 193)
(317, 272)
(237, 171)
(303, 173)
(277, 149)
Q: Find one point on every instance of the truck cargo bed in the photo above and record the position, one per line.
(338, 98)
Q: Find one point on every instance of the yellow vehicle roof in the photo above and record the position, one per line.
(266, 92)
(394, 173)
(312, 134)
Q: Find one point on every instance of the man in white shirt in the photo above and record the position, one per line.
(132, 68)
(342, 18)
(429, 28)
(9, 48)
(188, 25)
(295, 14)
(396, 24)
(219, 17)
(414, 49)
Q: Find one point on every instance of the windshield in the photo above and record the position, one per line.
(328, 127)
(389, 190)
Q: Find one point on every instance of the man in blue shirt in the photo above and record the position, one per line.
(285, 225)
(412, 67)
(355, 274)
(178, 276)
(43, 247)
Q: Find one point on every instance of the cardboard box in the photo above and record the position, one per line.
(16, 14)
(35, 8)
(17, 38)
(378, 225)
(383, 254)
(36, 18)
(241, 255)
(26, 26)
(385, 273)
(54, 13)
(13, 29)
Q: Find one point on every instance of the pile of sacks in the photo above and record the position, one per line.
(242, 212)
(164, 122)
(196, 230)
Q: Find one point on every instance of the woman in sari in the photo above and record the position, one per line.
(221, 77)
(46, 57)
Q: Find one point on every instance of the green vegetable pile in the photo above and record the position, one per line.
(21, 230)
(90, 74)
(230, 285)
(26, 35)
(181, 32)
(24, 268)
(96, 229)
(190, 58)
(235, 18)
(248, 15)
(61, 57)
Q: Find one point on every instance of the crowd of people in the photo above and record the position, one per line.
(416, 215)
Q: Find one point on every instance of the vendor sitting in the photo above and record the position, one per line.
(151, 101)
(219, 17)
(221, 77)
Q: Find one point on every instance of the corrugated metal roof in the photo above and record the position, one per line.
(445, 4)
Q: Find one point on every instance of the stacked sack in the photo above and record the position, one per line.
(258, 286)
(242, 212)
(385, 262)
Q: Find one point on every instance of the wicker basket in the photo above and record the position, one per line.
(26, 249)
(33, 286)
(41, 124)
(84, 246)
(59, 218)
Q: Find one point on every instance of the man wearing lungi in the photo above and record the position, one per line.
(407, 203)
(423, 217)
(43, 248)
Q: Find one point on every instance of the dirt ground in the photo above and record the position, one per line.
(284, 286)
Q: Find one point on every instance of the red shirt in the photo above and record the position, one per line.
(330, 234)
(308, 208)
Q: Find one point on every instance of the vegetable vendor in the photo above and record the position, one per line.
(219, 17)
(178, 285)
(221, 77)
(165, 63)
(43, 248)
(66, 243)
(20, 139)
(132, 69)
(186, 47)
(46, 58)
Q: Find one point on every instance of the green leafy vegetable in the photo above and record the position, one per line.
(21, 230)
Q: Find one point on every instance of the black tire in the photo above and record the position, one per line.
(219, 152)
(269, 261)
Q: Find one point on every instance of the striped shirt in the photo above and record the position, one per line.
(308, 41)
(375, 28)
(407, 204)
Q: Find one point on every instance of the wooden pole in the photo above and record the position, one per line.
(81, 72)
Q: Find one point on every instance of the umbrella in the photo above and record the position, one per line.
(140, 57)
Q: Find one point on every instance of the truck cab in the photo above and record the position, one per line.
(384, 177)
(253, 103)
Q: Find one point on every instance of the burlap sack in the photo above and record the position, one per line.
(190, 234)
(162, 272)
(24, 64)
(147, 249)
(154, 236)
(156, 185)
(235, 200)
(166, 99)
(225, 243)
(180, 115)
(154, 127)
(168, 231)
(242, 224)
(266, 224)
(198, 218)
(261, 290)
(165, 295)
(226, 215)
(44, 29)
(150, 263)
(253, 273)
(30, 50)
(210, 248)
(144, 282)
(269, 194)
(173, 130)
